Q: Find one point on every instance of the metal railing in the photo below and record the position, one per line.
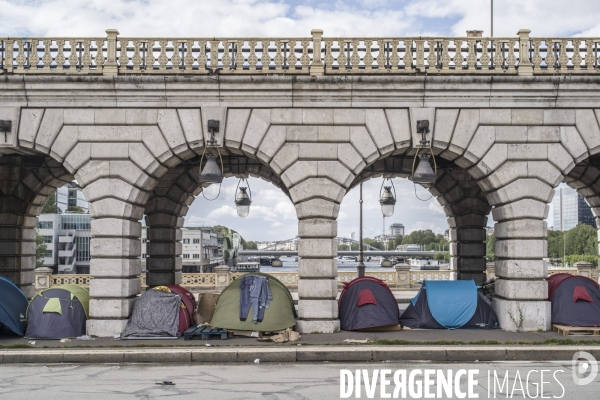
(314, 55)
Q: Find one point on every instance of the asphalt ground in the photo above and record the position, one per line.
(283, 381)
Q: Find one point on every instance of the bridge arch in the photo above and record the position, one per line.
(122, 152)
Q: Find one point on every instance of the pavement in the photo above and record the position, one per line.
(433, 345)
(282, 381)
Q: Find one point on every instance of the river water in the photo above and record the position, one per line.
(289, 265)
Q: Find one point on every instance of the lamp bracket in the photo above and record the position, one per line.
(423, 129)
(213, 127)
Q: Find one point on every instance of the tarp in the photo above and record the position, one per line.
(575, 300)
(13, 307)
(457, 304)
(155, 314)
(367, 303)
(280, 315)
(57, 313)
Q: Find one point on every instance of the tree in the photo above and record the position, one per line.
(40, 249)
(490, 242)
(250, 246)
(342, 247)
(75, 210)
(397, 241)
(582, 239)
(50, 206)
(372, 242)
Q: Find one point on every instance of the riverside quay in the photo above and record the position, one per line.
(508, 120)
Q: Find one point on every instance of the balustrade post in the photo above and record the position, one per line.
(43, 278)
(525, 67)
(402, 276)
(221, 278)
(8, 55)
(584, 268)
(420, 56)
(110, 67)
(490, 270)
(316, 66)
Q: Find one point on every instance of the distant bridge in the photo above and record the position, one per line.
(372, 253)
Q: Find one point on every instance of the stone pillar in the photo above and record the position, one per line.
(402, 276)
(43, 276)
(164, 249)
(521, 288)
(467, 246)
(115, 268)
(584, 268)
(317, 270)
(17, 250)
(221, 277)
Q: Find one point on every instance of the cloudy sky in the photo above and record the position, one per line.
(272, 215)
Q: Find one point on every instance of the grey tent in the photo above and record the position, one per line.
(155, 314)
(57, 313)
(367, 303)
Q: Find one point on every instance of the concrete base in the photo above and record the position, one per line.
(105, 327)
(523, 316)
(318, 326)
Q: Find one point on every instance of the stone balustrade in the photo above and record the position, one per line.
(314, 55)
(219, 279)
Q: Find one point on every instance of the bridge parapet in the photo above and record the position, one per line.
(314, 55)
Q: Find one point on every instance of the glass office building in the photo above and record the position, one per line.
(570, 209)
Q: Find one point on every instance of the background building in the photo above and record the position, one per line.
(67, 237)
(396, 229)
(70, 195)
(201, 251)
(570, 209)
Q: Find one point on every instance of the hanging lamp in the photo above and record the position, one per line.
(242, 199)
(424, 174)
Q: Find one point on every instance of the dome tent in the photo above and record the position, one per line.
(449, 304)
(57, 313)
(13, 308)
(367, 303)
(575, 300)
(280, 315)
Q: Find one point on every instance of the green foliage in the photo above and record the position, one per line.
(572, 259)
(398, 241)
(438, 256)
(50, 206)
(490, 241)
(581, 240)
(250, 245)
(40, 249)
(343, 247)
(373, 243)
(76, 210)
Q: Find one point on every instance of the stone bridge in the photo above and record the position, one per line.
(127, 118)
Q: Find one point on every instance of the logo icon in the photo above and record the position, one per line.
(585, 368)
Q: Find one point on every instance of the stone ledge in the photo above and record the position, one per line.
(293, 353)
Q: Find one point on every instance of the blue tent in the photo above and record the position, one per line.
(449, 304)
(13, 307)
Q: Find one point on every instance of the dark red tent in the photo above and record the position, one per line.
(367, 302)
(575, 300)
(186, 315)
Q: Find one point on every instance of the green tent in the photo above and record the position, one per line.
(280, 315)
(58, 312)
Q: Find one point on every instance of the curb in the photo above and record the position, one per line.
(304, 354)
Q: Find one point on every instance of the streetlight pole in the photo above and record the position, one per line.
(492, 19)
(360, 267)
